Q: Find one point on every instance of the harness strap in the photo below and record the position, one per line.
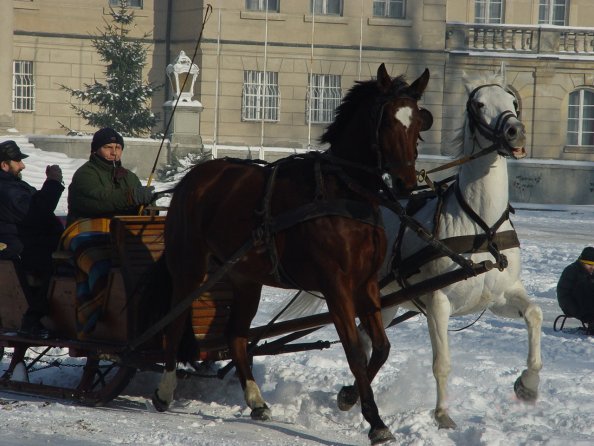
(463, 244)
(490, 232)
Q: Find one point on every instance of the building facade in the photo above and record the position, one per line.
(272, 71)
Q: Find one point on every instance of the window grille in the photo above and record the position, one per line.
(260, 96)
(323, 96)
(552, 12)
(580, 118)
(130, 3)
(326, 7)
(395, 9)
(488, 11)
(23, 86)
(262, 5)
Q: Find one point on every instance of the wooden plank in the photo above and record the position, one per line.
(210, 320)
(12, 299)
(210, 311)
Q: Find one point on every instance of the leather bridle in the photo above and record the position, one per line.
(495, 134)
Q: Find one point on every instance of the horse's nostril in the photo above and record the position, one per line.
(512, 132)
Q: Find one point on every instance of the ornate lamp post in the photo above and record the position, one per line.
(184, 130)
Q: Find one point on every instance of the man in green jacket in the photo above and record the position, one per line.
(102, 187)
(575, 290)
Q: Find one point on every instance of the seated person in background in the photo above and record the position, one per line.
(100, 189)
(575, 290)
(30, 231)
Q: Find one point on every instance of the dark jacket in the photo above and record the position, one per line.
(575, 292)
(28, 224)
(101, 189)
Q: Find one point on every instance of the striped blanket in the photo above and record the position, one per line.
(89, 241)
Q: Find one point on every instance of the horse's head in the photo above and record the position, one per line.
(493, 117)
(378, 126)
(399, 126)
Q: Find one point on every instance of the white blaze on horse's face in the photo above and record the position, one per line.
(404, 116)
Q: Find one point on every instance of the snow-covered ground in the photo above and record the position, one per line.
(301, 387)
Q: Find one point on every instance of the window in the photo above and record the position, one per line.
(261, 97)
(323, 96)
(23, 86)
(552, 12)
(326, 7)
(488, 11)
(395, 9)
(580, 120)
(262, 5)
(129, 3)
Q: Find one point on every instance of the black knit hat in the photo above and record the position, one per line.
(587, 255)
(106, 136)
(9, 151)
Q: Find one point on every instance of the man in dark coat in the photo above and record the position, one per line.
(29, 229)
(575, 290)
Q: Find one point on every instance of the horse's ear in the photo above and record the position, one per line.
(421, 83)
(383, 78)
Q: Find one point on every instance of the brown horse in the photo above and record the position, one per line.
(314, 223)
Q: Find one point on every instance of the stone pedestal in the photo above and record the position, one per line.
(184, 130)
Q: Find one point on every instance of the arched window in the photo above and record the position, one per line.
(580, 118)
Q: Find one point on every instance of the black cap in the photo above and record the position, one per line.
(587, 255)
(9, 151)
(106, 136)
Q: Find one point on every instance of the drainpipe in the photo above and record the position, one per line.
(168, 43)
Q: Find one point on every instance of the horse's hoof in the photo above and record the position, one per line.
(523, 392)
(159, 404)
(444, 421)
(381, 435)
(347, 397)
(261, 413)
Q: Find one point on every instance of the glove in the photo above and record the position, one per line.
(54, 172)
(142, 195)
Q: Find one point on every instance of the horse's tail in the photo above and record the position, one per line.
(154, 294)
(155, 302)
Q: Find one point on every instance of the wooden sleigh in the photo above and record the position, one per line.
(137, 242)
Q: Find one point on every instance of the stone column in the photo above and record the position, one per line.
(6, 39)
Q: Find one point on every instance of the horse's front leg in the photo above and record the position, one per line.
(245, 305)
(519, 305)
(349, 395)
(343, 316)
(438, 314)
(163, 396)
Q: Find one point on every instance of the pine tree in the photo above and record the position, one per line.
(122, 101)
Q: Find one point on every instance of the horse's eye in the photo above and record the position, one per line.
(516, 106)
(480, 104)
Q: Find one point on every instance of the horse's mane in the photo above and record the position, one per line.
(363, 102)
(456, 146)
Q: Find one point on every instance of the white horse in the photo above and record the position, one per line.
(474, 211)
